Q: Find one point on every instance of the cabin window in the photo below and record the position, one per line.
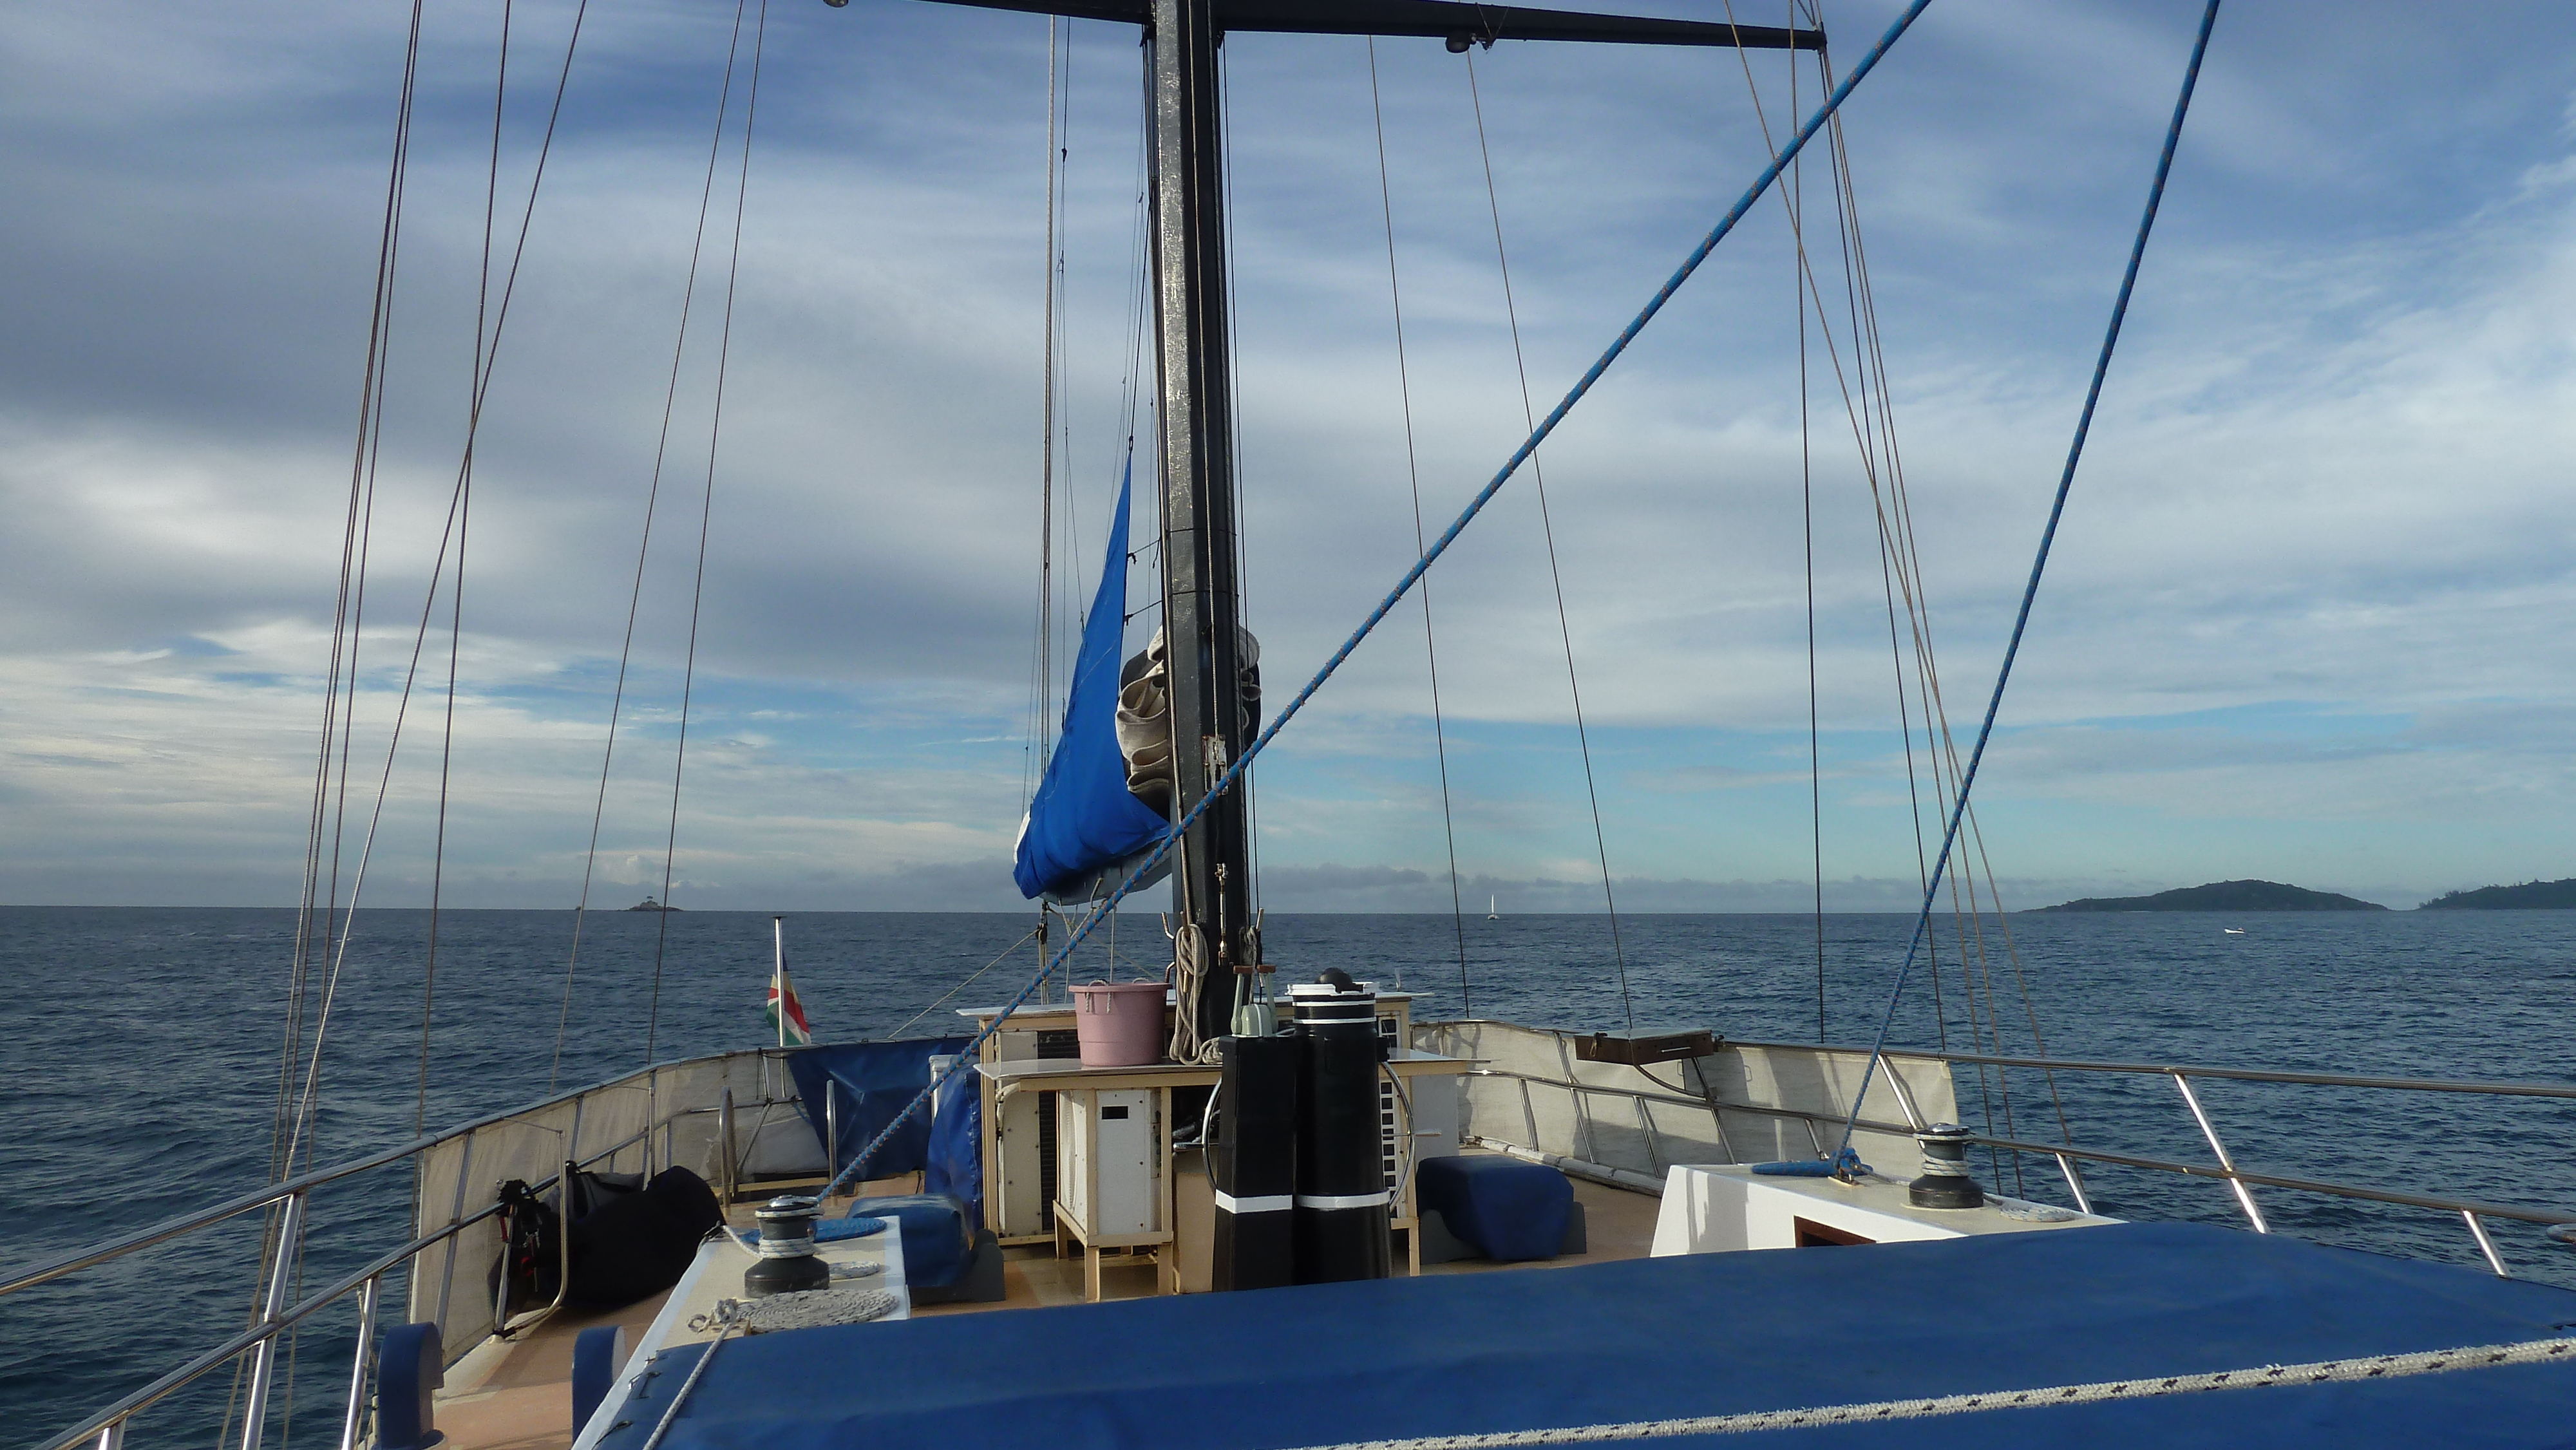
(1812, 1235)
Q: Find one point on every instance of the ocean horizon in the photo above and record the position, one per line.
(144, 1047)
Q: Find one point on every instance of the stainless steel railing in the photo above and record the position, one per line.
(2241, 1183)
(277, 1317)
(1651, 1091)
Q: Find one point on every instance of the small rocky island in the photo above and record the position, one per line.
(649, 904)
(2229, 896)
(2529, 896)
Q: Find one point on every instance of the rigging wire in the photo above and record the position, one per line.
(970, 980)
(338, 710)
(1797, 195)
(706, 516)
(420, 633)
(301, 1131)
(1873, 429)
(1898, 560)
(1865, 437)
(643, 551)
(464, 522)
(1041, 726)
(1868, 344)
(1413, 479)
(338, 722)
(1872, 405)
(1793, 198)
(1547, 530)
(1556, 415)
(2048, 534)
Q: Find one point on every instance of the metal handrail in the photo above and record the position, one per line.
(266, 1330)
(2240, 1180)
(2275, 1180)
(262, 1197)
(2235, 1074)
(276, 1317)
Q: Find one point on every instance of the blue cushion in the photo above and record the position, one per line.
(833, 1230)
(1508, 1208)
(597, 1354)
(938, 1245)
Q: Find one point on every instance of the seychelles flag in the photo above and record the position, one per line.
(786, 1013)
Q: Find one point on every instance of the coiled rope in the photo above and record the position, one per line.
(2273, 1376)
(2038, 565)
(1520, 455)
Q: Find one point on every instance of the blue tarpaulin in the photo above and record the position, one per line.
(872, 1082)
(956, 1166)
(1706, 1334)
(1083, 817)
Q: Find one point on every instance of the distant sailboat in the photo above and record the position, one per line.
(1492, 911)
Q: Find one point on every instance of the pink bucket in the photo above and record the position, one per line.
(1120, 1024)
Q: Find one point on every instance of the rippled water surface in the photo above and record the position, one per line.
(142, 1049)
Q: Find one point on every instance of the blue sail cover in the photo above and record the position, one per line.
(1084, 818)
(1650, 1339)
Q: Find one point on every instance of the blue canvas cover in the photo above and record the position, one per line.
(957, 1145)
(1509, 1209)
(873, 1081)
(938, 1242)
(1706, 1334)
(1083, 817)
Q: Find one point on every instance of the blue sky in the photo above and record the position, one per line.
(2305, 622)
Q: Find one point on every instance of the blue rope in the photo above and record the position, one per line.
(2047, 537)
(1574, 395)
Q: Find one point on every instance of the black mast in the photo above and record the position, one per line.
(1202, 604)
(1211, 881)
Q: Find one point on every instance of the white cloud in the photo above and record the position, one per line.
(2328, 483)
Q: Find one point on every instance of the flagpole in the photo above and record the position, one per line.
(778, 974)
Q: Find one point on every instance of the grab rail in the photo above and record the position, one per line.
(2231, 1074)
(105, 1429)
(2241, 1181)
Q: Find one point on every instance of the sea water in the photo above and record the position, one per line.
(143, 1049)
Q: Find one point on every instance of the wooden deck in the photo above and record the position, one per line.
(517, 1394)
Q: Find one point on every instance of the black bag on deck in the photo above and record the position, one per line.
(529, 1272)
(636, 1245)
(530, 1268)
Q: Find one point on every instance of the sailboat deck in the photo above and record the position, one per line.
(1619, 1224)
(517, 1394)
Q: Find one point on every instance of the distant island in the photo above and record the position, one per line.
(649, 904)
(2234, 896)
(2529, 896)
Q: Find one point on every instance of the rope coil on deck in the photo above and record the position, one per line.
(814, 1309)
(2330, 1371)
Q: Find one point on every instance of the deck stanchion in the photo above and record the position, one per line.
(354, 1418)
(2244, 1195)
(272, 1304)
(2074, 1182)
(1574, 1096)
(111, 1436)
(455, 1216)
(1646, 1124)
(2486, 1245)
(724, 1131)
(1904, 1100)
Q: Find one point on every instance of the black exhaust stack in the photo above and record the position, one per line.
(1254, 1162)
(1341, 1215)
